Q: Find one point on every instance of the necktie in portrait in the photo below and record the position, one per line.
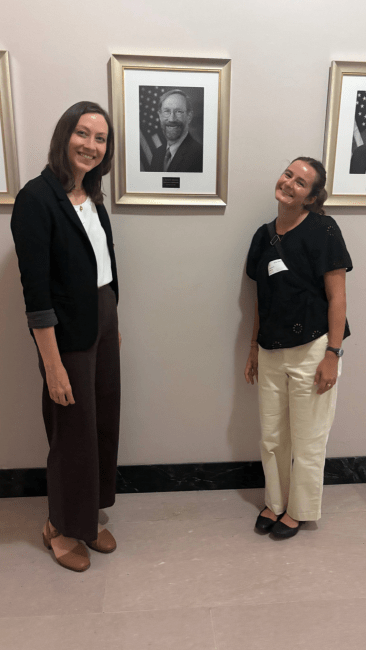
(167, 159)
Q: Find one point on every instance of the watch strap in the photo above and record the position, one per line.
(337, 351)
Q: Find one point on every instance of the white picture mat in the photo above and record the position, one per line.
(151, 182)
(343, 181)
(3, 183)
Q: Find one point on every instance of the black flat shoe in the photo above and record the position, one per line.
(265, 524)
(281, 531)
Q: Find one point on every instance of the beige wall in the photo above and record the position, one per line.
(185, 338)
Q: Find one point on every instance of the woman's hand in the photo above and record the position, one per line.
(59, 385)
(326, 373)
(56, 376)
(251, 369)
(119, 339)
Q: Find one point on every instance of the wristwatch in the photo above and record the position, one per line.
(337, 351)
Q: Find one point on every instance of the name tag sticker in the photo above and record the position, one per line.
(276, 266)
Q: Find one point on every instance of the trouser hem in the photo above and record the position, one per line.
(305, 516)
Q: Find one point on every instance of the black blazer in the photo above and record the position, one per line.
(57, 262)
(188, 157)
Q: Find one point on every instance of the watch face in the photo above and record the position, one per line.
(340, 353)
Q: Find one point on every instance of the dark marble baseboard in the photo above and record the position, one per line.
(174, 478)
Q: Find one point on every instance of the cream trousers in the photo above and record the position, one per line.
(295, 425)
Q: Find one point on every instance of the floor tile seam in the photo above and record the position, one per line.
(209, 608)
(216, 645)
(105, 586)
(233, 604)
(141, 521)
(286, 602)
(48, 616)
(183, 608)
(153, 521)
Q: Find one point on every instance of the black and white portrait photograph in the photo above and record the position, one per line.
(358, 159)
(171, 121)
(345, 134)
(171, 129)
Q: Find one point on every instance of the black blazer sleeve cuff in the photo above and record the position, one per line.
(44, 318)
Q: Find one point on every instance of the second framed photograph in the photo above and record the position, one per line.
(345, 134)
(171, 121)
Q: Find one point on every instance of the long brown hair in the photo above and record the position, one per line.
(58, 157)
(318, 190)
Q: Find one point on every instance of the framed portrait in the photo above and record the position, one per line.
(171, 122)
(345, 134)
(9, 173)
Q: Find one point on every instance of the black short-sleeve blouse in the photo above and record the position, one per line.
(290, 314)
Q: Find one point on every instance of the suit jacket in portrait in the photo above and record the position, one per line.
(57, 261)
(358, 160)
(188, 157)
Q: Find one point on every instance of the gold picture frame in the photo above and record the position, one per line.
(9, 172)
(345, 131)
(134, 180)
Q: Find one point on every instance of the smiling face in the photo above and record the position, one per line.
(87, 145)
(174, 117)
(295, 185)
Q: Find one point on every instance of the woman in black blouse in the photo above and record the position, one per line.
(299, 262)
(65, 249)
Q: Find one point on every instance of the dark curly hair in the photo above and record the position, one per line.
(58, 157)
(318, 190)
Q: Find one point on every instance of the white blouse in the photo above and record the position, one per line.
(88, 216)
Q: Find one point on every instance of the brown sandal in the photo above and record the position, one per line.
(105, 542)
(76, 559)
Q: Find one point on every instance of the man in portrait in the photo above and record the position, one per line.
(181, 152)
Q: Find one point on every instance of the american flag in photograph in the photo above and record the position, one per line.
(150, 134)
(359, 132)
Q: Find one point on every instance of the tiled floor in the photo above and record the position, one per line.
(189, 573)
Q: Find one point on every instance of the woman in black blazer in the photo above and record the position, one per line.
(64, 244)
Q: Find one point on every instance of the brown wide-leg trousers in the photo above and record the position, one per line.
(83, 437)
